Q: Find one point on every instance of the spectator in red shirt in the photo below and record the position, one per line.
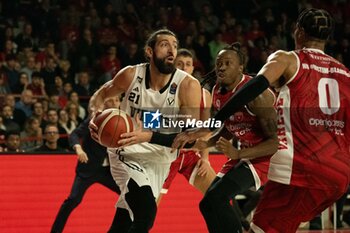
(37, 86)
(110, 64)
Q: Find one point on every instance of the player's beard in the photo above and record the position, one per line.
(162, 66)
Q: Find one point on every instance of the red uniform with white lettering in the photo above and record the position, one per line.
(245, 127)
(311, 169)
(185, 163)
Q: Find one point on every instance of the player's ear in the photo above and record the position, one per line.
(148, 52)
(241, 68)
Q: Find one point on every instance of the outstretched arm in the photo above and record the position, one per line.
(279, 64)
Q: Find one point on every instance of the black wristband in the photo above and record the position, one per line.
(166, 139)
(162, 139)
(243, 96)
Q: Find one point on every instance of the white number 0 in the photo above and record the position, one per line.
(328, 92)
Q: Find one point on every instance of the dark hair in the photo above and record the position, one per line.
(36, 74)
(184, 53)
(317, 23)
(152, 39)
(237, 48)
(11, 132)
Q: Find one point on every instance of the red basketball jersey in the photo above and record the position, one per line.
(313, 124)
(245, 126)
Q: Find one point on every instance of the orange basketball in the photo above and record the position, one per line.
(111, 124)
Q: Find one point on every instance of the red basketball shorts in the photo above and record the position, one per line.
(185, 164)
(283, 207)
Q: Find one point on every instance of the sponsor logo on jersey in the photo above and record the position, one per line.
(170, 101)
(173, 88)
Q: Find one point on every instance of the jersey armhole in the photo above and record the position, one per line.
(298, 68)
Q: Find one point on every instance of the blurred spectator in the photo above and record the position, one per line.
(31, 136)
(74, 98)
(52, 119)
(229, 19)
(8, 35)
(109, 12)
(22, 84)
(87, 51)
(65, 122)
(29, 67)
(9, 49)
(211, 21)
(2, 132)
(110, 65)
(202, 51)
(131, 56)
(8, 119)
(11, 71)
(39, 113)
(179, 20)
(26, 102)
(73, 112)
(67, 89)
(49, 73)
(215, 46)
(25, 53)
(26, 36)
(125, 31)
(51, 137)
(254, 33)
(131, 14)
(84, 87)
(18, 115)
(268, 21)
(4, 87)
(48, 52)
(13, 142)
(65, 71)
(106, 35)
(54, 100)
(37, 86)
(227, 34)
(59, 87)
(95, 19)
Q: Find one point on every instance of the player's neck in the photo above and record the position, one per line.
(314, 45)
(158, 80)
(235, 83)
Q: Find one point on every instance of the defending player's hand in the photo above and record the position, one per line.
(136, 136)
(188, 136)
(200, 144)
(226, 147)
(203, 167)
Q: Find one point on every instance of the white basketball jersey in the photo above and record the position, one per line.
(140, 98)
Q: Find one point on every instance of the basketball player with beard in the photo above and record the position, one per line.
(155, 88)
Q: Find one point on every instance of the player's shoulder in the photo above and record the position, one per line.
(190, 82)
(281, 55)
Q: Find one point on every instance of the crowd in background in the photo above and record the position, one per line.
(55, 54)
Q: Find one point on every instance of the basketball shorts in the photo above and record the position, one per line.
(258, 169)
(283, 207)
(144, 173)
(185, 164)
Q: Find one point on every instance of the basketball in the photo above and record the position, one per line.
(111, 124)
